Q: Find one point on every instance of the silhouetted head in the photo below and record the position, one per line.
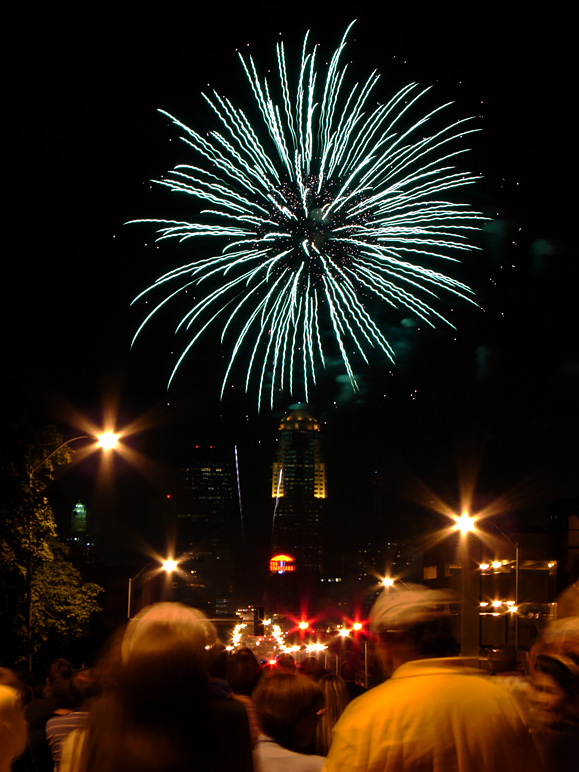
(413, 622)
(288, 707)
(243, 672)
(158, 717)
(286, 662)
(59, 669)
(348, 671)
(554, 671)
(85, 686)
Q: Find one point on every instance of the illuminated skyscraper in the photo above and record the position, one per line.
(78, 519)
(80, 541)
(298, 489)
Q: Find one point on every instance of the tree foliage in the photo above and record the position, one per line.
(29, 548)
(62, 603)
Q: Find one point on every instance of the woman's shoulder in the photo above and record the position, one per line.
(273, 757)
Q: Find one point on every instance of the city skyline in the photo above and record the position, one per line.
(502, 389)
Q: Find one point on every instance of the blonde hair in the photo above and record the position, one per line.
(163, 625)
(336, 698)
(158, 716)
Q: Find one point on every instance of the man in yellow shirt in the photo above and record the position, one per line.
(434, 714)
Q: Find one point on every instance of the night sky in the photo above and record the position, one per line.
(498, 394)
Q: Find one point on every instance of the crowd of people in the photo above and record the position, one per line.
(167, 696)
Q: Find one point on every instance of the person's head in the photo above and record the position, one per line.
(288, 707)
(85, 686)
(9, 678)
(58, 683)
(561, 637)
(312, 668)
(12, 726)
(555, 692)
(348, 671)
(217, 657)
(60, 670)
(412, 622)
(164, 625)
(286, 663)
(243, 672)
(62, 694)
(164, 653)
(336, 698)
(157, 718)
(554, 672)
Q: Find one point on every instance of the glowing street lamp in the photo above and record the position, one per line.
(465, 524)
(389, 581)
(106, 441)
(169, 565)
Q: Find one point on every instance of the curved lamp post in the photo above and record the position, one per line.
(169, 565)
(106, 441)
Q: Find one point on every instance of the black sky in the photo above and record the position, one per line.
(86, 139)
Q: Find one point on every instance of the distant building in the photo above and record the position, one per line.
(564, 524)
(78, 519)
(210, 499)
(494, 578)
(208, 531)
(298, 491)
(78, 537)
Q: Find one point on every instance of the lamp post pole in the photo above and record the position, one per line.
(516, 598)
(469, 646)
(470, 617)
(106, 441)
(169, 565)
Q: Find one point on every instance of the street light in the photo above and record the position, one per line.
(389, 581)
(107, 441)
(169, 565)
(465, 524)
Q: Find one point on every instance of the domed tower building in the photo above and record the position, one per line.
(298, 490)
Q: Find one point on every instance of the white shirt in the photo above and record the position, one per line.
(268, 756)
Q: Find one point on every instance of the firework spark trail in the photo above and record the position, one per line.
(239, 496)
(335, 204)
(279, 479)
